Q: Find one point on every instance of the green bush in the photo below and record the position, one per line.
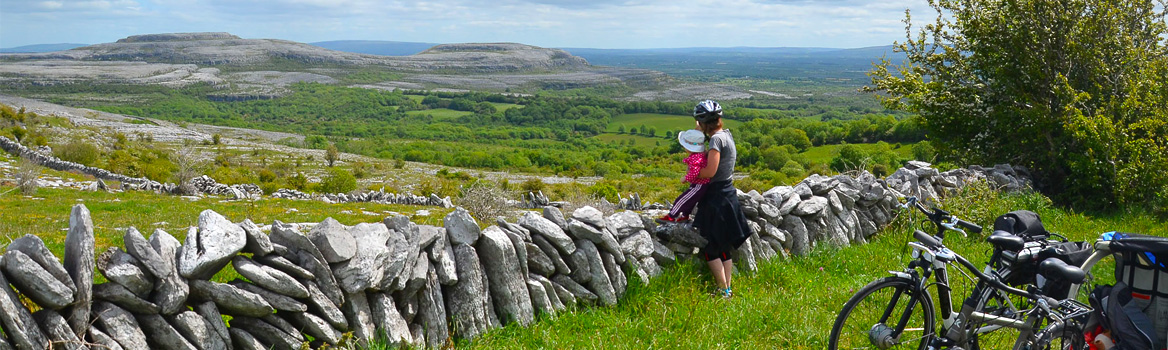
(338, 181)
(603, 190)
(78, 151)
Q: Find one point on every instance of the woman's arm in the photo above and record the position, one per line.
(712, 158)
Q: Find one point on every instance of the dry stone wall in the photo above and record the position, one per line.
(394, 280)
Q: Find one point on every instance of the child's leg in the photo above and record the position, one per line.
(687, 200)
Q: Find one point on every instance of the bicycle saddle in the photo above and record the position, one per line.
(1006, 241)
(1055, 268)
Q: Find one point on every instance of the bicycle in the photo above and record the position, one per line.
(898, 311)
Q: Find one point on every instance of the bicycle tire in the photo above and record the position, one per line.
(1067, 337)
(860, 321)
(1000, 304)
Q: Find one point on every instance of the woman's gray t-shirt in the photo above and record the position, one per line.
(723, 142)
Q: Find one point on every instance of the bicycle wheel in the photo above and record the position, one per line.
(1067, 337)
(888, 313)
(998, 309)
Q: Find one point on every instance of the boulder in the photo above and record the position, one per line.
(170, 293)
(625, 223)
(33, 247)
(140, 249)
(210, 247)
(35, 282)
(506, 280)
(266, 333)
(269, 278)
(322, 306)
(388, 321)
(467, 301)
(432, 313)
(811, 206)
(616, 275)
(461, 228)
(360, 317)
(231, 300)
(537, 261)
(258, 243)
(161, 335)
(554, 215)
(552, 253)
(243, 340)
(314, 326)
(121, 268)
(209, 312)
(101, 340)
(120, 325)
(57, 330)
(544, 227)
(800, 242)
(602, 238)
(79, 263)
(333, 240)
(120, 296)
(285, 265)
(278, 301)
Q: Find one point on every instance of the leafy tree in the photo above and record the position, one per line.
(338, 181)
(331, 155)
(851, 157)
(1073, 89)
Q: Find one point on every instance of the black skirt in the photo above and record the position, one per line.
(719, 218)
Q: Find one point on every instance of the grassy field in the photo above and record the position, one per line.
(638, 141)
(825, 153)
(439, 113)
(662, 122)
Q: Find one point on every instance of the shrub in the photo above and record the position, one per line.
(532, 185)
(77, 151)
(338, 181)
(485, 201)
(26, 176)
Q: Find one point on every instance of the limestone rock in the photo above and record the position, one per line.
(800, 242)
(662, 254)
(269, 278)
(444, 265)
(506, 281)
(257, 243)
(266, 332)
(231, 300)
(121, 268)
(388, 321)
(285, 265)
(600, 282)
(277, 300)
(638, 245)
(120, 296)
(367, 267)
(616, 275)
(333, 240)
(79, 263)
(322, 306)
(537, 261)
(357, 311)
(196, 329)
(33, 247)
(589, 215)
(566, 297)
(539, 298)
(416, 277)
(577, 291)
(308, 257)
(102, 340)
(552, 253)
(602, 238)
(315, 326)
(544, 227)
(57, 330)
(812, 206)
(461, 228)
(578, 261)
(554, 215)
(549, 292)
(243, 340)
(625, 223)
(120, 325)
(520, 247)
(161, 335)
(35, 282)
(170, 293)
(210, 247)
(466, 301)
(140, 249)
(432, 313)
(209, 312)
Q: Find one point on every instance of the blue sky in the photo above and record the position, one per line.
(548, 23)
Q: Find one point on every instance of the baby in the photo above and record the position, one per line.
(693, 141)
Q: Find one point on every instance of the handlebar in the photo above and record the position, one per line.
(942, 219)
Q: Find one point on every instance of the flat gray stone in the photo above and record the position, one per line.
(537, 261)
(308, 257)
(544, 227)
(520, 247)
(388, 321)
(196, 329)
(467, 301)
(417, 275)
(577, 291)
(120, 325)
(210, 247)
(599, 283)
(625, 223)
(284, 326)
(366, 268)
(616, 275)
(101, 340)
(140, 249)
(360, 317)
(811, 206)
(552, 253)
(566, 296)
(333, 240)
(57, 330)
(578, 261)
(314, 326)
(231, 300)
(34, 248)
(604, 239)
(401, 257)
(161, 335)
(442, 254)
(461, 228)
(804, 191)
(209, 312)
(277, 300)
(426, 235)
(170, 294)
(800, 242)
(123, 269)
(322, 306)
(35, 282)
(549, 291)
(638, 245)
(507, 282)
(539, 299)
(266, 333)
(432, 314)
(120, 296)
(258, 243)
(554, 215)
(79, 263)
(243, 340)
(285, 265)
(662, 254)
(397, 222)
(167, 248)
(269, 278)
(590, 215)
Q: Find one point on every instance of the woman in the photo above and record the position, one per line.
(719, 218)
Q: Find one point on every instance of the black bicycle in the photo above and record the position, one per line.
(898, 311)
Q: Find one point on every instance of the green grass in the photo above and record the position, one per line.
(785, 304)
(638, 140)
(440, 113)
(825, 153)
(504, 106)
(663, 122)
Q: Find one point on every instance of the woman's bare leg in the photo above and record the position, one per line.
(718, 269)
(728, 271)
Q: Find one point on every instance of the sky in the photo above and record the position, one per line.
(615, 24)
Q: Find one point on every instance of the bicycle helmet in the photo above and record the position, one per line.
(707, 111)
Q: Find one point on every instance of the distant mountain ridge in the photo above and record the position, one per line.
(376, 47)
(38, 48)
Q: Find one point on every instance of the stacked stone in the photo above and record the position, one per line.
(382, 197)
(205, 184)
(535, 200)
(51, 162)
(921, 180)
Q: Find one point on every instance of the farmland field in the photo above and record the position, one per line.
(662, 122)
